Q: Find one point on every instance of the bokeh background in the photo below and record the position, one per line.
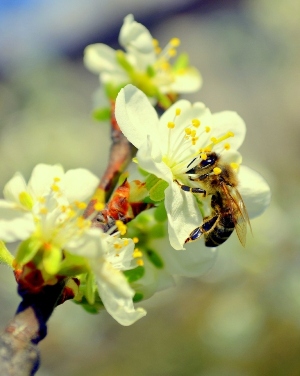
(242, 318)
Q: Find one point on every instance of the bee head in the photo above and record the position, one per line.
(209, 162)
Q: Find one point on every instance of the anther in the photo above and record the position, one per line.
(207, 129)
(227, 146)
(171, 125)
(177, 111)
(175, 42)
(234, 165)
(196, 123)
(188, 131)
(99, 206)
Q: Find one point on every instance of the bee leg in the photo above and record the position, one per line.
(207, 226)
(186, 188)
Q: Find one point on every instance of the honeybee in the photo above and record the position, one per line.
(219, 180)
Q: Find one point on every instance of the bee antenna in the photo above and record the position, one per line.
(191, 162)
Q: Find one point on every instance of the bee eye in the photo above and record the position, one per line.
(207, 162)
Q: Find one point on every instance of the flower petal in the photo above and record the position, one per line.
(187, 82)
(135, 36)
(15, 224)
(194, 261)
(183, 215)
(42, 178)
(79, 184)
(14, 187)
(116, 294)
(254, 190)
(228, 121)
(135, 115)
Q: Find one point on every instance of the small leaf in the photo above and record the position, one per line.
(157, 193)
(151, 181)
(155, 258)
(160, 213)
(134, 274)
(181, 62)
(90, 288)
(6, 257)
(137, 297)
(27, 250)
(101, 114)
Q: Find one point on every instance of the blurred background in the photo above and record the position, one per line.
(242, 318)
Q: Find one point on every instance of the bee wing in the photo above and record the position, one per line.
(239, 213)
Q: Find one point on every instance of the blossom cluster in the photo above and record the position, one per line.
(128, 262)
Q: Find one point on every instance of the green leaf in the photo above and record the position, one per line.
(101, 114)
(151, 181)
(6, 257)
(181, 62)
(72, 265)
(160, 213)
(90, 288)
(155, 258)
(27, 250)
(157, 193)
(52, 259)
(134, 274)
(137, 297)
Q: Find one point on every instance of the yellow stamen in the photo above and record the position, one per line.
(140, 262)
(55, 187)
(216, 141)
(157, 50)
(234, 165)
(43, 211)
(217, 171)
(178, 111)
(117, 246)
(80, 205)
(121, 227)
(99, 206)
(171, 125)
(155, 42)
(203, 156)
(135, 240)
(172, 52)
(137, 253)
(207, 129)
(126, 242)
(193, 133)
(227, 146)
(56, 179)
(188, 131)
(196, 123)
(175, 42)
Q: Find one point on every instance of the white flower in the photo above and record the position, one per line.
(170, 146)
(144, 63)
(48, 210)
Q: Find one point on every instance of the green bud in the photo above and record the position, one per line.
(101, 114)
(52, 257)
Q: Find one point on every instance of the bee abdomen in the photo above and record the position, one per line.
(220, 233)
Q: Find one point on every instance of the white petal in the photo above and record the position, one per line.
(134, 35)
(224, 122)
(14, 187)
(194, 261)
(135, 115)
(79, 184)
(150, 160)
(188, 82)
(116, 294)
(100, 57)
(15, 224)
(121, 257)
(254, 190)
(183, 215)
(88, 244)
(42, 178)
